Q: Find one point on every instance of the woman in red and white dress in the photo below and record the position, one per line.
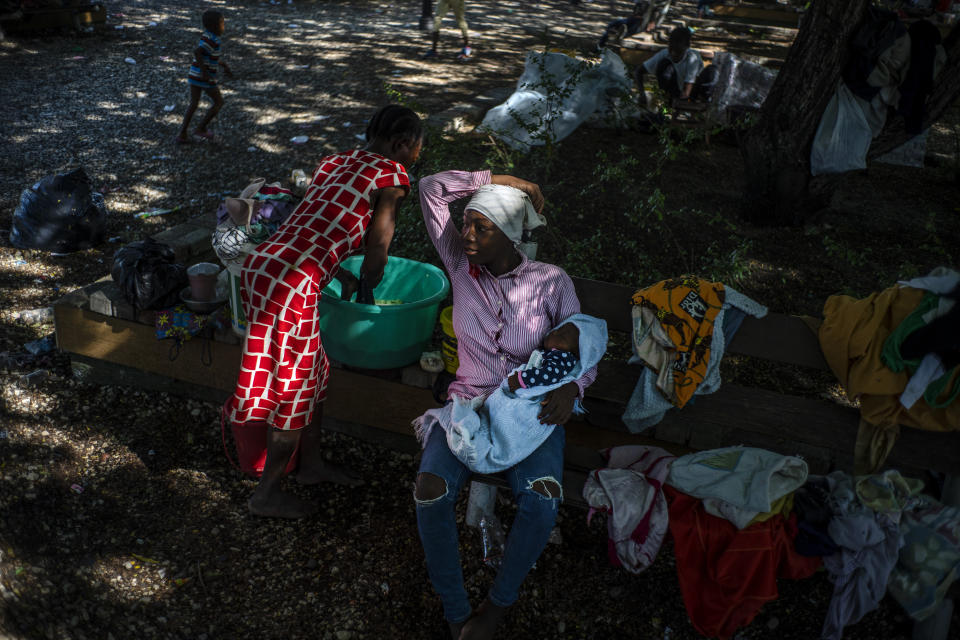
(351, 204)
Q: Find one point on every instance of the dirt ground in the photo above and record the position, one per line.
(119, 515)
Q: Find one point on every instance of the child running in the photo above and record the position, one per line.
(203, 76)
(351, 204)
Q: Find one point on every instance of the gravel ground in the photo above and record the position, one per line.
(119, 515)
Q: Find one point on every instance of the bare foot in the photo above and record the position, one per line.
(484, 624)
(327, 472)
(280, 505)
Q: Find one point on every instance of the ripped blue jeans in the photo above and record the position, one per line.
(536, 516)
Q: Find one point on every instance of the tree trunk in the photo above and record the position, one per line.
(776, 150)
(945, 91)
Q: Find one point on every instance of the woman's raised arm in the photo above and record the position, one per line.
(436, 194)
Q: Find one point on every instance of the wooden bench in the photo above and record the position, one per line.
(101, 331)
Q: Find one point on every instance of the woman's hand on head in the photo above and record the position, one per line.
(558, 404)
(529, 188)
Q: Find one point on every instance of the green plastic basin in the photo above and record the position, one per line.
(388, 336)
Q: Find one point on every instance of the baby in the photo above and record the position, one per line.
(560, 354)
(493, 433)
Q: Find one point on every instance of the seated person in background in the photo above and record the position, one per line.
(679, 70)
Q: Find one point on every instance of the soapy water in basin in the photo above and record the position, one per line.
(392, 333)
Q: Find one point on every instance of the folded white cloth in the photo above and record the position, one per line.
(745, 477)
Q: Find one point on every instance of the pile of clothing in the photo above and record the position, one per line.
(743, 517)
(246, 221)
(681, 327)
(898, 352)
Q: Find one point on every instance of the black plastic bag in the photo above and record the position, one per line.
(60, 213)
(147, 274)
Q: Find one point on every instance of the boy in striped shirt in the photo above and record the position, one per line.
(203, 76)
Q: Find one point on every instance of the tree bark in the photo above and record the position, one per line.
(776, 150)
(945, 91)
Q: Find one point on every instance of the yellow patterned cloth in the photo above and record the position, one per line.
(685, 309)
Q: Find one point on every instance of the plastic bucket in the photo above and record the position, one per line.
(389, 336)
(448, 346)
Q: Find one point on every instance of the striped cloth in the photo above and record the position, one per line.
(498, 320)
(284, 370)
(210, 44)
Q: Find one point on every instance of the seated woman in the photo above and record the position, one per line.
(503, 306)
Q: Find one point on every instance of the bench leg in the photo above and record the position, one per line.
(937, 626)
(950, 495)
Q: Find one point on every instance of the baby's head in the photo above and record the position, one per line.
(566, 337)
(213, 22)
(678, 43)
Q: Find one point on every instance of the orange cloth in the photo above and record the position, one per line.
(852, 337)
(686, 307)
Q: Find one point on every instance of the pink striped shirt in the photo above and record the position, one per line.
(499, 320)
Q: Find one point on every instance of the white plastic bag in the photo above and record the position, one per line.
(843, 136)
(554, 95)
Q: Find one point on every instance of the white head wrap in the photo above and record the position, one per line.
(508, 208)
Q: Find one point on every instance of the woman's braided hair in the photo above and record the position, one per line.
(395, 121)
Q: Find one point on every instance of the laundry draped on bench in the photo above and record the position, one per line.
(856, 341)
(681, 327)
(872, 533)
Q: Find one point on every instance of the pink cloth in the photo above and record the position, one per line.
(629, 491)
(498, 320)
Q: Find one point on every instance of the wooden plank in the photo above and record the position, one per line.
(134, 345)
(780, 338)
(734, 415)
(103, 372)
(778, 16)
(770, 33)
(606, 300)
